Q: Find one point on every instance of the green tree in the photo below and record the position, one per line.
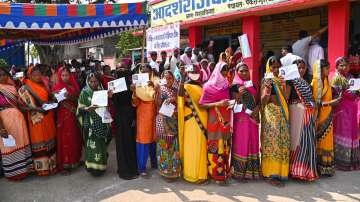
(127, 41)
(3, 63)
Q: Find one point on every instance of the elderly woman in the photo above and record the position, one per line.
(34, 93)
(17, 162)
(96, 134)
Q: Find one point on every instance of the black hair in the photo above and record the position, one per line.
(167, 72)
(273, 59)
(303, 34)
(341, 60)
(299, 61)
(241, 65)
(287, 48)
(153, 53)
(324, 63)
(163, 52)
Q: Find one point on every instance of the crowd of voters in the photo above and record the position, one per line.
(223, 125)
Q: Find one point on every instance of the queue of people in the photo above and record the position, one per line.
(222, 126)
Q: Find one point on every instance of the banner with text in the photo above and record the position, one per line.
(171, 11)
(164, 38)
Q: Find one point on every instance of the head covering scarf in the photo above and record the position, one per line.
(279, 93)
(217, 88)
(248, 98)
(322, 92)
(205, 73)
(72, 89)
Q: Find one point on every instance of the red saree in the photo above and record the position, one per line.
(69, 141)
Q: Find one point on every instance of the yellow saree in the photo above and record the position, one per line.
(192, 122)
(325, 144)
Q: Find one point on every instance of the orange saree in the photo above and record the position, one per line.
(41, 128)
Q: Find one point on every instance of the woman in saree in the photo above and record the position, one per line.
(167, 147)
(192, 121)
(322, 93)
(245, 158)
(215, 97)
(16, 159)
(346, 138)
(96, 134)
(34, 93)
(275, 137)
(302, 127)
(69, 143)
(143, 99)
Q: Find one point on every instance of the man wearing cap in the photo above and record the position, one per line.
(186, 57)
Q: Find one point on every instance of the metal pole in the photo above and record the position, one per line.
(143, 46)
(28, 53)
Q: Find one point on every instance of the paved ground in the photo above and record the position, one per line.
(80, 186)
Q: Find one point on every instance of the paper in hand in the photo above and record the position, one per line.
(290, 72)
(9, 141)
(269, 75)
(118, 85)
(19, 75)
(354, 84)
(100, 98)
(248, 84)
(104, 114)
(50, 106)
(141, 79)
(162, 82)
(167, 109)
(238, 108)
(60, 96)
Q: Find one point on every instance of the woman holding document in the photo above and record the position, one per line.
(125, 129)
(302, 127)
(69, 143)
(167, 147)
(322, 92)
(143, 99)
(245, 148)
(275, 137)
(34, 93)
(346, 137)
(96, 134)
(216, 95)
(192, 121)
(16, 158)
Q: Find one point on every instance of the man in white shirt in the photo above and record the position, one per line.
(316, 52)
(195, 56)
(153, 63)
(186, 57)
(171, 63)
(301, 46)
(288, 58)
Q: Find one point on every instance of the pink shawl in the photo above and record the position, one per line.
(217, 88)
(237, 80)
